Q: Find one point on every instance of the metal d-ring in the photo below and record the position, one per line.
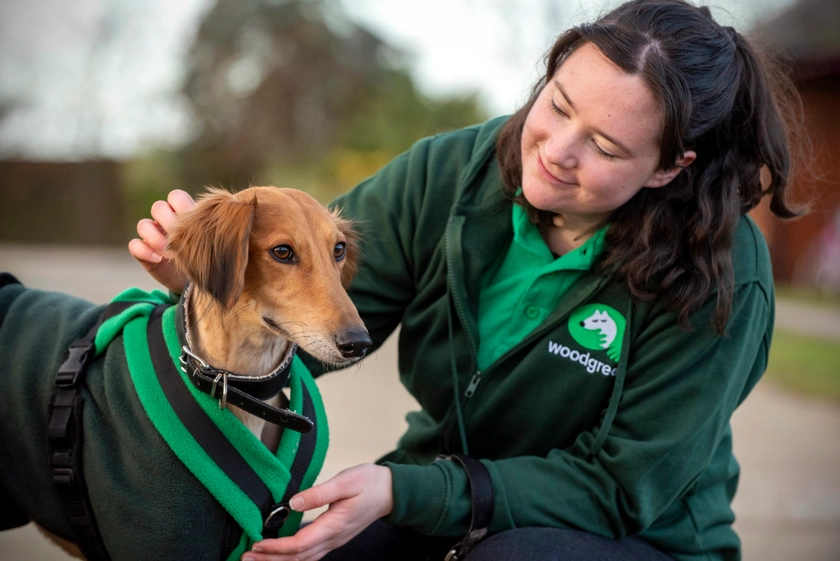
(223, 401)
(282, 512)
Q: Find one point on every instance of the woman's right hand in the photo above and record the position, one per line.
(150, 248)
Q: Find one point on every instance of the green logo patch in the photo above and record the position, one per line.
(598, 327)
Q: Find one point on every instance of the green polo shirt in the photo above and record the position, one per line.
(519, 293)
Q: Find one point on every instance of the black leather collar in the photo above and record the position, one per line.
(262, 388)
(245, 392)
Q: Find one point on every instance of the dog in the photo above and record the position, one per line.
(602, 322)
(268, 271)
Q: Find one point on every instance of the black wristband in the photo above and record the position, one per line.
(482, 495)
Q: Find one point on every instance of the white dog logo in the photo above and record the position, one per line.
(601, 321)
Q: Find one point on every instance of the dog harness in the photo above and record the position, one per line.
(248, 481)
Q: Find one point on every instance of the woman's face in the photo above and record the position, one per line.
(591, 140)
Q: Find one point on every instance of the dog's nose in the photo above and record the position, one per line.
(354, 343)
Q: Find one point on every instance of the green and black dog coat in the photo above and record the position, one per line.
(164, 480)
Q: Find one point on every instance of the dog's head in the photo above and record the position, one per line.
(278, 258)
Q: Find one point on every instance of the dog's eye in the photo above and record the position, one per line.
(340, 251)
(283, 253)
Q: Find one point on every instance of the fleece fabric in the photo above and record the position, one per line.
(150, 483)
(607, 418)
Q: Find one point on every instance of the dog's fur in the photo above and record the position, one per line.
(245, 306)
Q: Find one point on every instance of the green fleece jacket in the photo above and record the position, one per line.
(154, 490)
(617, 431)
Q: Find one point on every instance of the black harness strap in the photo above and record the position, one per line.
(218, 447)
(277, 513)
(64, 441)
(64, 435)
(481, 490)
(196, 421)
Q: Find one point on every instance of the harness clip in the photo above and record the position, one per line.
(68, 372)
(63, 478)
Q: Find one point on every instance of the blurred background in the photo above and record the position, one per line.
(107, 105)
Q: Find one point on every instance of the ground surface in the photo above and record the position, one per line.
(788, 503)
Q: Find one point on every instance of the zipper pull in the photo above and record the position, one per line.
(476, 379)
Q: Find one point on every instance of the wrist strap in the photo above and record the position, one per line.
(481, 491)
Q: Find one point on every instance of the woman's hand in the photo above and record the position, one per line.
(357, 497)
(150, 248)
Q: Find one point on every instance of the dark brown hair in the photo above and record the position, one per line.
(721, 98)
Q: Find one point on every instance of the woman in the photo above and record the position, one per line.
(583, 304)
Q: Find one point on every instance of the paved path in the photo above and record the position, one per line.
(788, 445)
(808, 319)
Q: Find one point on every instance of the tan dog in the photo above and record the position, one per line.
(268, 268)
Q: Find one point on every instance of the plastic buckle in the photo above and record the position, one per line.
(63, 477)
(68, 372)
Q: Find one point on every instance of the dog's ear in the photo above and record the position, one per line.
(210, 244)
(347, 228)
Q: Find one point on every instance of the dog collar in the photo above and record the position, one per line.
(262, 387)
(232, 389)
(245, 392)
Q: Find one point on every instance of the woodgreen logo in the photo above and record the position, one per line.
(598, 327)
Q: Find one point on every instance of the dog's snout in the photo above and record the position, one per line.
(354, 343)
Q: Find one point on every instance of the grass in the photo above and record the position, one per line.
(805, 364)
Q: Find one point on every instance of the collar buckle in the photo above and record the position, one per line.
(247, 393)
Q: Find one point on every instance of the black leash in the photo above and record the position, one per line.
(64, 440)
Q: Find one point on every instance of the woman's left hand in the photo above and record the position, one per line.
(357, 497)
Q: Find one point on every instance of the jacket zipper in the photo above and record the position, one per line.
(459, 308)
(474, 381)
(477, 377)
